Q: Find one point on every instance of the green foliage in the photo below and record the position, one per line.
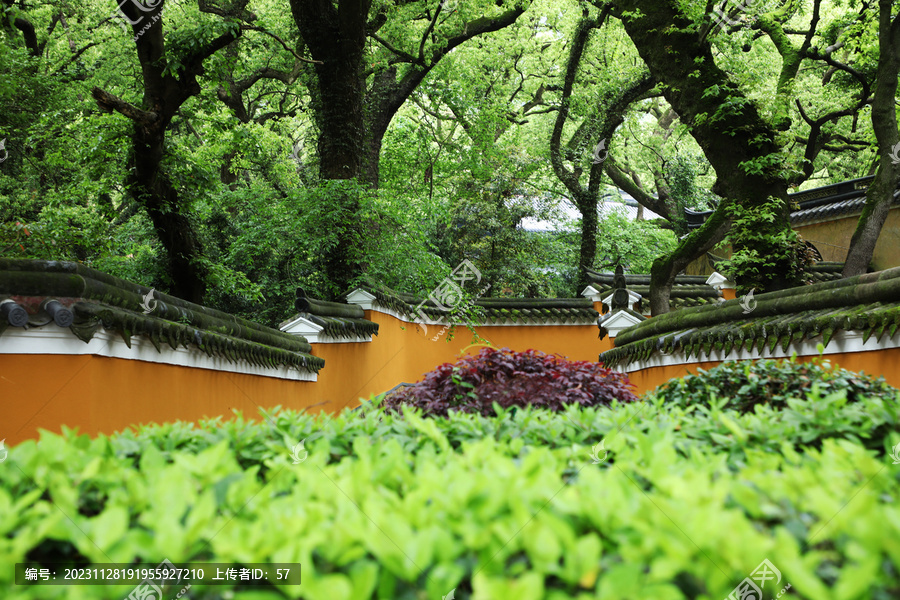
(633, 244)
(683, 179)
(743, 386)
(455, 163)
(401, 507)
(763, 251)
(486, 228)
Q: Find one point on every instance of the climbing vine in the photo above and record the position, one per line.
(764, 256)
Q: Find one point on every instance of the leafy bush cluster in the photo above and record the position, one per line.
(746, 384)
(398, 506)
(765, 256)
(475, 383)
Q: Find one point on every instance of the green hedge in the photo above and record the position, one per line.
(684, 502)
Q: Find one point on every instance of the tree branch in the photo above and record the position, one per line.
(400, 53)
(109, 103)
(283, 44)
(428, 31)
(74, 57)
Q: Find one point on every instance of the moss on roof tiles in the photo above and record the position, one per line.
(337, 327)
(338, 319)
(321, 308)
(868, 303)
(632, 279)
(826, 271)
(98, 299)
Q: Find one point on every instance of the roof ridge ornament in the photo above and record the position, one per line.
(620, 297)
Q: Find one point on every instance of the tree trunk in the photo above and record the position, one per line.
(388, 93)
(723, 121)
(606, 120)
(149, 184)
(336, 38)
(884, 121)
(587, 206)
(352, 122)
(664, 269)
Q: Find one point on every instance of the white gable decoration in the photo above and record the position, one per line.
(362, 298)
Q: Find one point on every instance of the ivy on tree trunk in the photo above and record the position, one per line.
(352, 120)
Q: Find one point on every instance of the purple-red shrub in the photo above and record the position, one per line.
(512, 379)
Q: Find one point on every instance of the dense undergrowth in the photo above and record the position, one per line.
(681, 500)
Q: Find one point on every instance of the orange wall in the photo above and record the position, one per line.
(832, 238)
(879, 363)
(401, 352)
(101, 395)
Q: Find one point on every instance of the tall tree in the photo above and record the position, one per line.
(725, 123)
(352, 119)
(739, 142)
(168, 81)
(880, 193)
(598, 127)
(354, 102)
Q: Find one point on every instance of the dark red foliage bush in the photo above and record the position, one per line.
(512, 379)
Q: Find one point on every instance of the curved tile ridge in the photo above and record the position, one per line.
(338, 319)
(98, 299)
(868, 303)
(491, 310)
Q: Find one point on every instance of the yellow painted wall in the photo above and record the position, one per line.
(402, 352)
(102, 395)
(832, 238)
